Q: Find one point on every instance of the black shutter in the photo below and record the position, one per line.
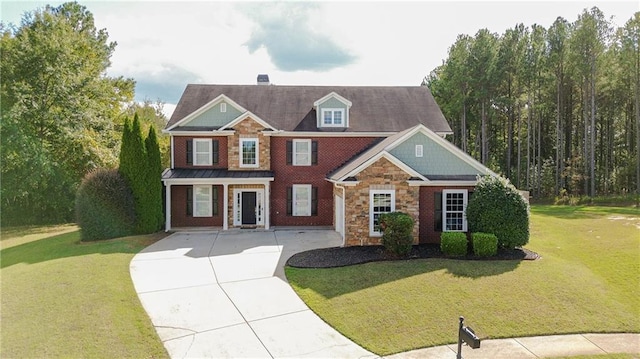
(437, 207)
(190, 201)
(214, 200)
(216, 151)
(289, 201)
(314, 201)
(189, 152)
(289, 152)
(314, 152)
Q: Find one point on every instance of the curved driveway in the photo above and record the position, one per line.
(224, 295)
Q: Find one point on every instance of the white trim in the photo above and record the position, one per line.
(465, 200)
(243, 116)
(217, 181)
(419, 151)
(307, 211)
(330, 95)
(208, 209)
(223, 107)
(294, 152)
(260, 209)
(384, 154)
(209, 143)
(327, 134)
(167, 194)
(241, 153)
(206, 107)
(442, 183)
(373, 192)
(225, 205)
(200, 133)
(343, 119)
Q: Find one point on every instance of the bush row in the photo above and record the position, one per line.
(455, 244)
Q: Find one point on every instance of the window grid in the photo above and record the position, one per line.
(454, 207)
(248, 152)
(202, 152)
(381, 202)
(333, 117)
(302, 200)
(202, 201)
(301, 152)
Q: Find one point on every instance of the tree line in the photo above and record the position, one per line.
(61, 115)
(556, 110)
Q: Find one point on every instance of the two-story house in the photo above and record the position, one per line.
(250, 156)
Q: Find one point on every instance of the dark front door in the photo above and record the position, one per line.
(248, 207)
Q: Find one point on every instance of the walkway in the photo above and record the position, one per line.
(224, 295)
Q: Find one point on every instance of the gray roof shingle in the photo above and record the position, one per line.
(290, 108)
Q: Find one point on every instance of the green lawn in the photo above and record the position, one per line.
(588, 280)
(64, 298)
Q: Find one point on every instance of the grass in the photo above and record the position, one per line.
(586, 281)
(66, 298)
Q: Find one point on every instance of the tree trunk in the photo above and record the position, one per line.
(485, 141)
(592, 158)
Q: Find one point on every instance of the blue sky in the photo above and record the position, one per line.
(166, 45)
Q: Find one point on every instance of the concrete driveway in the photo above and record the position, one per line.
(224, 295)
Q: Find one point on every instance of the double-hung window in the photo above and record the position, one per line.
(202, 201)
(301, 152)
(454, 204)
(202, 152)
(380, 202)
(333, 117)
(248, 152)
(301, 199)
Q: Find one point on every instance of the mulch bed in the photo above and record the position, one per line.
(346, 256)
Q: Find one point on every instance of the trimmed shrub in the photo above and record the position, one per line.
(453, 243)
(154, 185)
(397, 235)
(484, 244)
(104, 206)
(498, 207)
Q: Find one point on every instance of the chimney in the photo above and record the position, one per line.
(263, 79)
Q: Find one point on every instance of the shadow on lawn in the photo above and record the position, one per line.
(69, 245)
(348, 279)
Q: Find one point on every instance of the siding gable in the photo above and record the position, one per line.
(436, 160)
(213, 117)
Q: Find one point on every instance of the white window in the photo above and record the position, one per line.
(248, 152)
(380, 201)
(223, 107)
(419, 151)
(202, 201)
(202, 153)
(454, 203)
(333, 117)
(301, 199)
(302, 152)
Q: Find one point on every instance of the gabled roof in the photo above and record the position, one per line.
(204, 107)
(291, 108)
(334, 95)
(382, 149)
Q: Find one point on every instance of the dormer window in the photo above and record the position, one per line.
(333, 117)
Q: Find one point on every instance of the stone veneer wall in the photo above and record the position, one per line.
(380, 175)
(248, 128)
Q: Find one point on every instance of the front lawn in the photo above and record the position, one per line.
(64, 298)
(586, 281)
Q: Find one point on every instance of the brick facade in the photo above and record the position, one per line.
(332, 152)
(248, 128)
(180, 152)
(179, 217)
(380, 175)
(428, 234)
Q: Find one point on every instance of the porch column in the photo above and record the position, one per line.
(267, 200)
(167, 216)
(225, 204)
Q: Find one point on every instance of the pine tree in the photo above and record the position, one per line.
(154, 186)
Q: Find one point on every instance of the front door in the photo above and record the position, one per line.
(249, 208)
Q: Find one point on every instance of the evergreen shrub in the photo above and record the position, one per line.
(397, 235)
(453, 243)
(484, 244)
(498, 207)
(104, 206)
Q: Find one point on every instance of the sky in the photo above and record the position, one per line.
(165, 45)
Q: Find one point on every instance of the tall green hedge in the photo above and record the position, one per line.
(141, 167)
(397, 236)
(498, 207)
(104, 206)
